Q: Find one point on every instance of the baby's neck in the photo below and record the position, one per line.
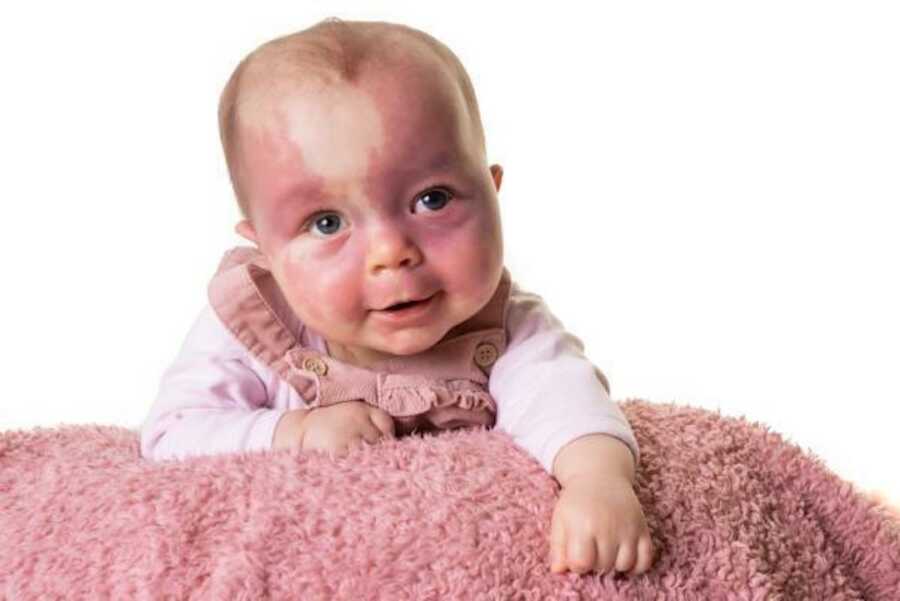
(364, 358)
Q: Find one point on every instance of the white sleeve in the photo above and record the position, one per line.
(211, 399)
(548, 393)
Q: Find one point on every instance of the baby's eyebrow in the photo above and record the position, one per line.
(304, 190)
(441, 160)
(311, 191)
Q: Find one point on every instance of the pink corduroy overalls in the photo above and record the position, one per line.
(443, 387)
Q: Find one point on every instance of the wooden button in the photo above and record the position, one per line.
(315, 365)
(485, 354)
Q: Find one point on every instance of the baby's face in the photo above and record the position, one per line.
(367, 195)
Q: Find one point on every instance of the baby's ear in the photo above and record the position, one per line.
(497, 175)
(245, 229)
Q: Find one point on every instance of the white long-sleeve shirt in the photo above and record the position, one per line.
(216, 397)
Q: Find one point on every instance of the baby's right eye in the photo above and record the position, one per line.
(326, 223)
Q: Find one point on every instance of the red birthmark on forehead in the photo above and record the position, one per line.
(275, 173)
(367, 139)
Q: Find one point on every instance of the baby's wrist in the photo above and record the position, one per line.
(593, 480)
(597, 457)
(290, 429)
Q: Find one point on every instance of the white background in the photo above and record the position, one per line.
(705, 193)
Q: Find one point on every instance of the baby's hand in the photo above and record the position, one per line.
(598, 524)
(333, 428)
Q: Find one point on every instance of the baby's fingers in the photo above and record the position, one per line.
(384, 424)
(644, 554)
(626, 557)
(557, 559)
(557, 548)
(581, 554)
(370, 434)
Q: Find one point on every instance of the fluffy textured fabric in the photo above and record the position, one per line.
(736, 512)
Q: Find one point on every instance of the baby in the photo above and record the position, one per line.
(374, 301)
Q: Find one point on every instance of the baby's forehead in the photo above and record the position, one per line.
(369, 130)
(280, 102)
(268, 83)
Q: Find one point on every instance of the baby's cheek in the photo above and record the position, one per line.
(474, 253)
(467, 269)
(320, 294)
(342, 293)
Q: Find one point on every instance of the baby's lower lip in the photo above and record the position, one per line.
(409, 312)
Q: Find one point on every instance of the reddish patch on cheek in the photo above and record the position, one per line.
(321, 293)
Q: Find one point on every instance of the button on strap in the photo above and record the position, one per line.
(485, 354)
(315, 365)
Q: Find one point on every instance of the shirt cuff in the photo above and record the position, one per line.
(262, 433)
(554, 444)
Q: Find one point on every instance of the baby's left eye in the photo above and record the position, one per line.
(435, 199)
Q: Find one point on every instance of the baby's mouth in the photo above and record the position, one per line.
(407, 307)
(410, 313)
(407, 304)
(399, 306)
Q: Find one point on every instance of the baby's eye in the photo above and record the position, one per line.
(435, 199)
(326, 223)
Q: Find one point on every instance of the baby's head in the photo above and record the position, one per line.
(357, 157)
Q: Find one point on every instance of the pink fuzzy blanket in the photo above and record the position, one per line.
(736, 512)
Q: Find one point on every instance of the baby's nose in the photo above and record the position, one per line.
(392, 248)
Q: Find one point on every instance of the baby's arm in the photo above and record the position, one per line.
(548, 393)
(210, 400)
(551, 400)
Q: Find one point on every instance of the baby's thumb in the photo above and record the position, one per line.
(557, 545)
(384, 422)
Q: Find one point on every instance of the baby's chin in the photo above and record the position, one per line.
(374, 340)
(404, 344)
(410, 341)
